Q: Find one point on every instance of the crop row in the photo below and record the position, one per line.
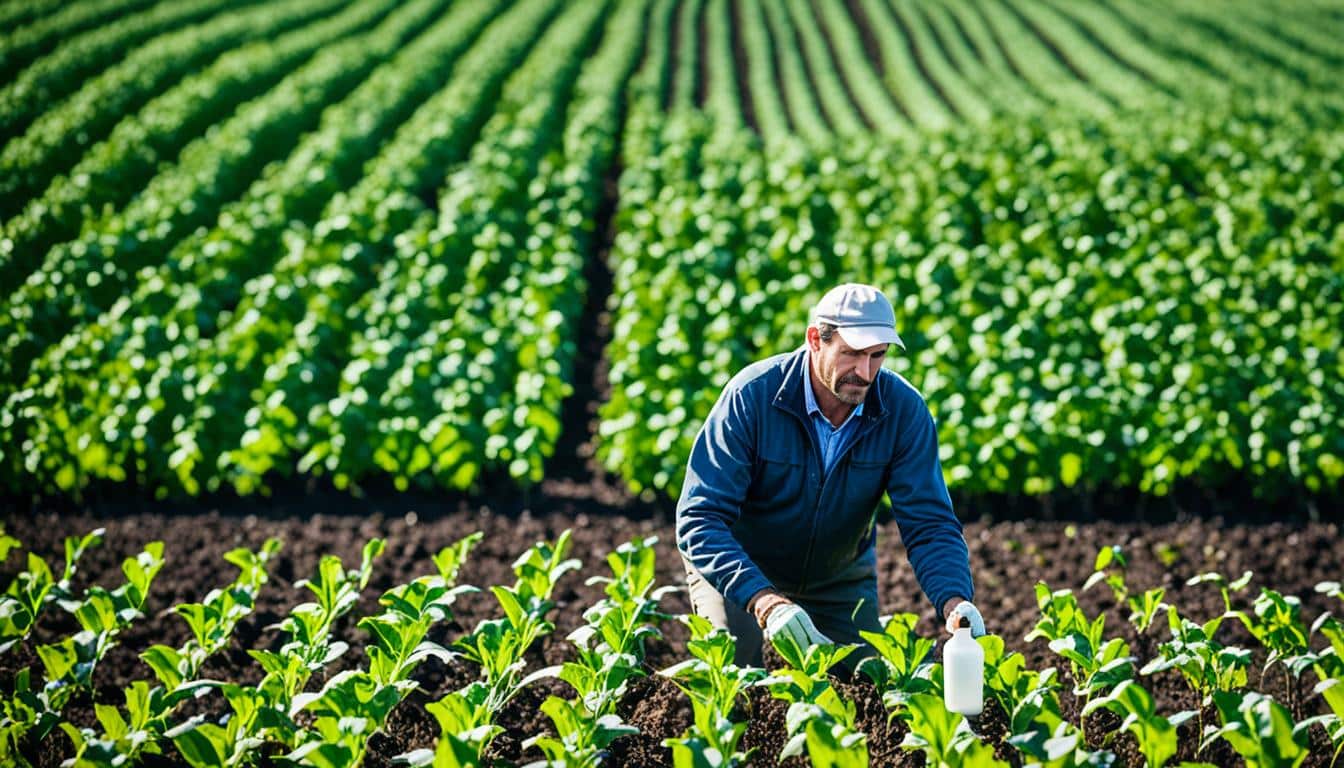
(55, 76)
(113, 170)
(81, 278)
(15, 14)
(190, 297)
(331, 723)
(20, 46)
(400, 316)
(426, 309)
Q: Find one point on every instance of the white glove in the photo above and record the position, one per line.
(791, 620)
(967, 610)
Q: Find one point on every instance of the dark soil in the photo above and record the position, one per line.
(1008, 559)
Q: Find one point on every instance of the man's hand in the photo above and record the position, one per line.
(778, 615)
(965, 609)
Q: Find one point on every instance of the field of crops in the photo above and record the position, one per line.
(331, 639)
(480, 257)
(374, 241)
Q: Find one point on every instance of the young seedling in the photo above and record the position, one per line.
(35, 587)
(498, 645)
(1155, 733)
(610, 652)
(818, 717)
(465, 731)
(70, 664)
(944, 737)
(713, 683)
(1276, 621)
(1329, 666)
(353, 705)
(1206, 664)
(901, 667)
(582, 739)
(1260, 729)
(1110, 567)
(265, 712)
(1098, 664)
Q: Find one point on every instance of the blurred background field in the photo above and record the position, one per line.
(499, 248)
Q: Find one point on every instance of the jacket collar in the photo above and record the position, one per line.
(791, 397)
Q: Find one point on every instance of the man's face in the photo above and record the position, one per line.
(845, 371)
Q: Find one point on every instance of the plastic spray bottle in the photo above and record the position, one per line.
(964, 672)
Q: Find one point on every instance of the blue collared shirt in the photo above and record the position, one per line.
(831, 439)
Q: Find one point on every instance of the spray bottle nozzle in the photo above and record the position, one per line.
(964, 623)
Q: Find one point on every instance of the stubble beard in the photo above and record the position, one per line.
(850, 399)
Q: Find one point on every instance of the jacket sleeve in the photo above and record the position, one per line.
(922, 507)
(718, 475)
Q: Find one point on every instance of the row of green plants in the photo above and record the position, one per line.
(207, 381)
(81, 278)
(305, 368)
(21, 44)
(112, 170)
(197, 291)
(539, 156)
(16, 15)
(51, 78)
(330, 725)
(62, 134)
(491, 400)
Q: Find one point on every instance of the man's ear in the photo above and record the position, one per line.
(813, 338)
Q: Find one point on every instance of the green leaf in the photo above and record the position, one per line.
(169, 666)
(206, 746)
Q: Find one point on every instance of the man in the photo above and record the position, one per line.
(777, 516)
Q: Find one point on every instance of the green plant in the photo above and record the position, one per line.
(465, 730)
(148, 712)
(1206, 664)
(943, 736)
(582, 738)
(1098, 664)
(266, 711)
(818, 717)
(900, 668)
(1110, 566)
(609, 652)
(32, 589)
(1155, 733)
(1276, 621)
(1260, 729)
(714, 684)
(1037, 728)
(1329, 666)
(497, 645)
(70, 664)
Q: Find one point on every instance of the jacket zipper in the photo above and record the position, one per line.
(864, 427)
(825, 474)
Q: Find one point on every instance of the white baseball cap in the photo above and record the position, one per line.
(860, 313)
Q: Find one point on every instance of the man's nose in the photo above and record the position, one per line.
(864, 369)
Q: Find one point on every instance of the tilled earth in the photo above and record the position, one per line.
(1008, 559)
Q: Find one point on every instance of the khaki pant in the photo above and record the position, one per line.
(840, 608)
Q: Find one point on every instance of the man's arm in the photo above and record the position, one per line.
(718, 475)
(923, 511)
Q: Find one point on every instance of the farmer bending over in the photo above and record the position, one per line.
(777, 516)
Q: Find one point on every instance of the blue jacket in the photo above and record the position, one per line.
(755, 510)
